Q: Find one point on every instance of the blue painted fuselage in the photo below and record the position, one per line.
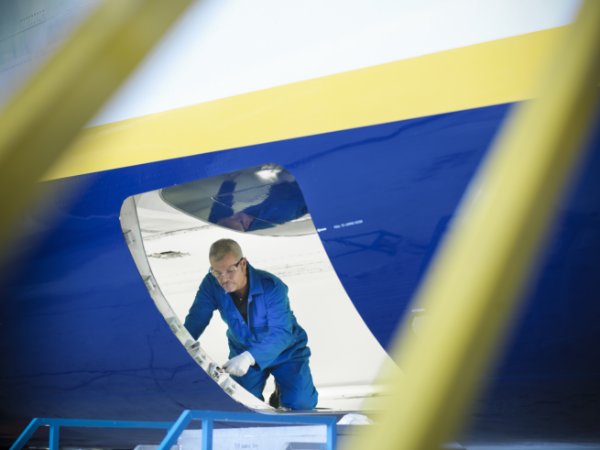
(80, 336)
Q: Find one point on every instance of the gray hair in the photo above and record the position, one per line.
(223, 246)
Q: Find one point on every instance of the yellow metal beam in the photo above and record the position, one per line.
(473, 286)
(39, 122)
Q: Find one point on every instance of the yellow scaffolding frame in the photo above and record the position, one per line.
(39, 123)
(473, 286)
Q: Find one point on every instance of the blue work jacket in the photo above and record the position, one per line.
(272, 334)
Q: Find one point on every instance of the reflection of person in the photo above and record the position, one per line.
(284, 202)
(264, 336)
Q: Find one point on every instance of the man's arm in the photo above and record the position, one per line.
(201, 310)
(279, 318)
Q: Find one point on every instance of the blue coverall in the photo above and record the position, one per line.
(272, 335)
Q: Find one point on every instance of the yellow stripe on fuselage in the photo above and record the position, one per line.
(485, 74)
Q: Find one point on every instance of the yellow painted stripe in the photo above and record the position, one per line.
(480, 75)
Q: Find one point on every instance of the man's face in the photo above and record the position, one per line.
(230, 272)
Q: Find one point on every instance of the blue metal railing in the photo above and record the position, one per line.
(175, 429)
(209, 417)
(55, 425)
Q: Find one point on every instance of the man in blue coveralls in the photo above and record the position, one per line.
(263, 334)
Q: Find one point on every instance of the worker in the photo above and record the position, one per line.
(263, 334)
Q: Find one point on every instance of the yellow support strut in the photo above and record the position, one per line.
(41, 120)
(472, 288)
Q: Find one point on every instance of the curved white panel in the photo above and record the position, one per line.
(346, 357)
(133, 237)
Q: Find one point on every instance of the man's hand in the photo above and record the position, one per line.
(239, 365)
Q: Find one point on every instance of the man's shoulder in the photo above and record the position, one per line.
(267, 280)
(209, 284)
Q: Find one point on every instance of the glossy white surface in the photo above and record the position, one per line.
(345, 358)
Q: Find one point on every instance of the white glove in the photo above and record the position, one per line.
(239, 365)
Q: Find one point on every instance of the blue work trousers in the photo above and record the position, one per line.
(296, 388)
